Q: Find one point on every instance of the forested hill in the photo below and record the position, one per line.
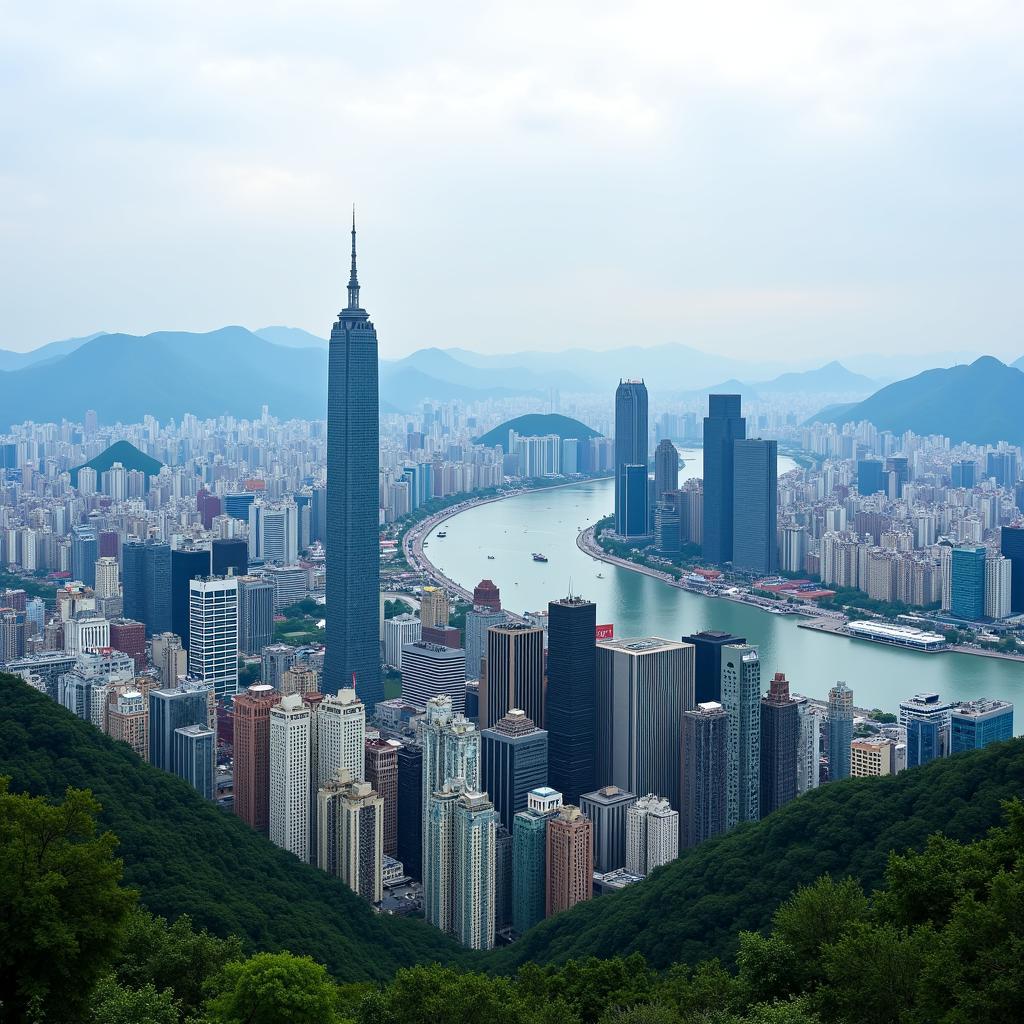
(185, 856)
(695, 908)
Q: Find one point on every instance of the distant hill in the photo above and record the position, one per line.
(1018, 363)
(124, 452)
(979, 403)
(534, 425)
(52, 350)
(291, 337)
(186, 856)
(833, 378)
(694, 908)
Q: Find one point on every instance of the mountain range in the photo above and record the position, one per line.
(978, 403)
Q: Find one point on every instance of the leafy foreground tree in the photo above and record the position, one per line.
(61, 905)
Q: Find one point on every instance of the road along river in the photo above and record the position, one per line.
(547, 521)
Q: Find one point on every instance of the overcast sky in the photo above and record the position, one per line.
(794, 179)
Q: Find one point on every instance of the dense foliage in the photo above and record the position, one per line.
(188, 857)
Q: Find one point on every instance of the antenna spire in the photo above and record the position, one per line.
(353, 280)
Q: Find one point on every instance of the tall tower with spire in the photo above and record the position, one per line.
(353, 561)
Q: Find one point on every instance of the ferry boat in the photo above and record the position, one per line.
(600, 575)
(490, 558)
(442, 533)
(538, 557)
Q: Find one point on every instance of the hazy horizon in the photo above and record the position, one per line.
(762, 181)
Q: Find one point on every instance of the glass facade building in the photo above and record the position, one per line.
(968, 575)
(722, 426)
(631, 453)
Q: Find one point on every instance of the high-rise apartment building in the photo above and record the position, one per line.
(977, 723)
(399, 631)
(707, 650)
(353, 557)
(381, 772)
(998, 587)
(106, 576)
(631, 437)
(704, 773)
(643, 688)
(350, 836)
(606, 809)
(808, 760)
(570, 860)
(515, 673)
(195, 753)
(722, 427)
(755, 497)
(255, 614)
(840, 731)
(515, 761)
(213, 628)
(474, 850)
(170, 658)
(300, 679)
(780, 740)
(741, 698)
(451, 748)
(652, 834)
(434, 607)
(439, 856)
(341, 737)
(289, 775)
(128, 721)
(432, 670)
(529, 858)
(251, 722)
(571, 701)
(872, 758)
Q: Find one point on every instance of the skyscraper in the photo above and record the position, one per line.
(476, 825)
(707, 651)
(432, 670)
(968, 582)
(434, 607)
(170, 710)
(840, 731)
(643, 688)
(341, 737)
(255, 614)
(83, 554)
(722, 426)
(187, 564)
(289, 775)
(1011, 545)
(251, 715)
(515, 673)
(704, 771)
(652, 834)
(353, 559)
(410, 809)
(570, 860)
(808, 762)
(571, 703)
(780, 736)
(230, 556)
(755, 497)
(606, 808)
(195, 751)
(529, 858)
(479, 620)
(451, 748)
(926, 720)
(514, 761)
(439, 855)
(978, 723)
(381, 773)
(631, 451)
(741, 698)
(213, 626)
(666, 468)
(350, 835)
(146, 583)
(870, 476)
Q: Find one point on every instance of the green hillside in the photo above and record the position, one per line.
(124, 452)
(694, 908)
(186, 856)
(537, 425)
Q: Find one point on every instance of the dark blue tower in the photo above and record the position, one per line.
(353, 561)
(722, 426)
(631, 458)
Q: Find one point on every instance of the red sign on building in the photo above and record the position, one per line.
(606, 632)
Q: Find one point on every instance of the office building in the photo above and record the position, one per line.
(290, 584)
(926, 721)
(128, 720)
(399, 630)
(381, 772)
(870, 476)
(755, 497)
(195, 752)
(106, 576)
(570, 861)
(968, 583)
(350, 836)
(353, 556)
(571, 702)
(652, 834)
(840, 731)
(1011, 546)
(146, 584)
(780, 739)
(83, 554)
(722, 427)
(502, 879)
(808, 762)
(707, 650)
(86, 631)
(171, 709)
(213, 628)
(666, 469)
(872, 758)
(475, 854)
(129, 637)
(289, 775)
(529, 858)
(430, 670)
(977, 723)
(277, 659)
(82, 690)
(410, 809)
(300, 679)
(187, 564)
(643, 687)
(998, 587)
(478, 621)
(606, 808)
(445, 636)
(741, 698)
(273, 533)
(341, 737)
(169, 658)
(705, 766)
(255, 615)
(514, 762)
(631, 458)
(251, 722)
(433, 607)
(515, 673)
(439, 856)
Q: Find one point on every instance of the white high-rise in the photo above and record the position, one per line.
(341, 737)
(213, 633)
(451, 748)
(997, 587)
(399, 631)
(106, 577)
(289, 776)
(476, 828)
(86, 631)
(350, 836)
(652, 834)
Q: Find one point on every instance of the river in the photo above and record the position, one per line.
(638, 605)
